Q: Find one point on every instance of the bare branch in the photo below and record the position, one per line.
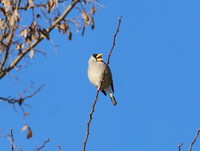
(98, 90)
(10, 137)
(179, 146)
(194, 140)
(12, 140)
(59, 148)
(21, 99)
(43, 145)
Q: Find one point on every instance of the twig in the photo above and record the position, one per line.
(179, 146)
(10, 137)
(194, 140)
(98, 90)
(59, 148)
(43, 145)
(21, 99)
(12, 140)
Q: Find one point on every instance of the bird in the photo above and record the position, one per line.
(96, 68)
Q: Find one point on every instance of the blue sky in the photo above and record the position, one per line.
(155, 66)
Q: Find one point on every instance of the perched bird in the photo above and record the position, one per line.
(96, 68)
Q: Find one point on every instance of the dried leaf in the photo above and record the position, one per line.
(6, 3)
(31, 53)
(23, 33)
(43, 33)
(93, 10)
(83, 31)
(55, 2)
(84, 2)
(51, 4)
(24, 128)
(92, 23)
(20, 101)
(2, 48)
(1, 23)
(86, 17)
(34, 37)
(38, 16)
(20, 46)
(69, 35)
(26, 113)
(29, 133)
(28, 40)
(30, 4)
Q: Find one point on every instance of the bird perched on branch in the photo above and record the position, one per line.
(96, 68)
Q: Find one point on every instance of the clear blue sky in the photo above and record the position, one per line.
(156, 71)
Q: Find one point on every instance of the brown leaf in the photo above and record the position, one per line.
(38, 16)
(29, 133)
(23, 33)
(26, 113)
(69, 35)
(20, 46)
(30, 4)
(20, 101)
(24, 128)
(86, 17)
(1, 23)
(51, 4)
(92, 23)
(31, 53)
(93, 10)
(55, 2)
(83, 31)
(28, 40)
(43, 33)
(6, 3)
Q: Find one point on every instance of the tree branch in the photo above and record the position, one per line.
(12, 140)
(194, 140)
(98, 90)
(43, 145)
(21, 99)
(33, 44)
(59, 148)
(179, 146)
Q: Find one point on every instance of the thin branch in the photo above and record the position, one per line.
(10, 137)
(12, 140)
(194, 140)
(113, 45)
(43, 145)
(35, 43)
(59, 148)
(179, 146)
(98, 90)
(21, 99)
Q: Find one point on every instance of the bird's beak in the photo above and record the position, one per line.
(99, 57)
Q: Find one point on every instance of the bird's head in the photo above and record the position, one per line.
(98, 57)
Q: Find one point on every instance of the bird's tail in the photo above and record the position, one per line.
(113, 99)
